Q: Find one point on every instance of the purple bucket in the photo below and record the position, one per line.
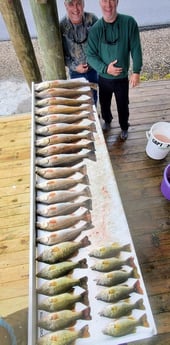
(165, 184)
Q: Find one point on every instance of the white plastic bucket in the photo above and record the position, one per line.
(158, 137)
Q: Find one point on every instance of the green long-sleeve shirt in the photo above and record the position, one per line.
(114, 41)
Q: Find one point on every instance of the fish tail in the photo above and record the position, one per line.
(143, 321)
(88, 204)
(90, 146)
(138, 288)
(85, 242)
(83, 169)
(84, 298)
(139, 304)
(85, 180)
(91, 117)
(93, 86)
(87, 216)
(130, 262)
(87, 192)
(91, 155)
(83, 283)
(135, 273)
(84, 332)
(82, 263)
(93, 127)
(86, 314)
(90, 136)
(127, 248)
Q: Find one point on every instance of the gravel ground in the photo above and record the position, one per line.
(15, 96)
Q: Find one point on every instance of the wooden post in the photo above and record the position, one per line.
(49, 38)
(14, 18)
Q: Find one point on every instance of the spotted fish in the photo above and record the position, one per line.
(62, 109)
(110, 264)
(61, 285)
(63, 92)
(65, 83)
(64, 138)
(50, 173)
(115, 293)
(65, 159)
(63, 118)
(125, 326)
(69, 128)
(65, 148)
(62, 196)
(62, 183)
(116, 277)
(120, 309)
(63, 101)
(109, 251)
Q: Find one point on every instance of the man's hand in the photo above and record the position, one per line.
(82, 68)
(134, 79)
(113, 70)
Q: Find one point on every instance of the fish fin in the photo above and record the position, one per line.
(135, 273)
(127, 248)
(86, 314)
(90, 136)
(84, 332)
(87, 216)
(85, 298)
(93, 127)
(143, 321)
(83, 263)
(83, 282)
(87, 192)
(138, 288)
(92, 156)
(85, 180)
(139, 304)
(91, 117)
(85, 242)
(130, 262)
(83, 170)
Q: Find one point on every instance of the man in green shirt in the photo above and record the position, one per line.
(111, 41)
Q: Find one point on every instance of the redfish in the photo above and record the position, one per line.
(63, 118)
(63, 319)
(68, 234)
(116, 277)
(64, 138)
(63, 101)
(64, 83)
(120, 309)
(62, 109)
(63, 337)
(62, 196)
(125, 326)
(60, 269)
(63, 301)
(115, 293)
(65, 159)
(65, 148)
(70, 128)
(62, 251)
(110, 264)
(62, 222)
(63, 92)
(63, 208)
(61, 285)
(109, 251)
(61, 183)
(50, 173)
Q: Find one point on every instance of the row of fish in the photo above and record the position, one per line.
(116, 291)
(64, 138)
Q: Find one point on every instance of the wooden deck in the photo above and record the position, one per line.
(138, 178)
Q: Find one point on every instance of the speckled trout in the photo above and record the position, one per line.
(50, 173)
(118, 292)
(69, 128)
(60, 236)
(63, 208)
(60, 269)
(62, 109)
(62, 183)
(63, 92)
(65, 159)
(65, 83)
(63, 337)
(62, 196)
(61, 285)
(63, 319)
(65, 148)
(63, 301)
(64, 138)
(109, 251)
(125, 326)
(63, 118)
(62, 251)
(63, 222)
(120, 309)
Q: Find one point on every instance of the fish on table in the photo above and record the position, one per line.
(64, 138)
(48, 198)
(60, 236)
(61, 285)
(120, 309)
(109, 251)
(63, 208)
(118, 292)
(63, 92)
(125, 326)
(65, 83)
(63, 118)
(63, 222)
(110, 264)
(62, 251)
(69, 128)
(58, 172)
(116, 277)
(63, 101)
(62, 183)
(63, 319)
(60, 269)
(65, 159)
(66, 148)
(62, 109)
(63, 337)
(63, 301)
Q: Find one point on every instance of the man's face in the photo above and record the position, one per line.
(109, 9)
(75, 9)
